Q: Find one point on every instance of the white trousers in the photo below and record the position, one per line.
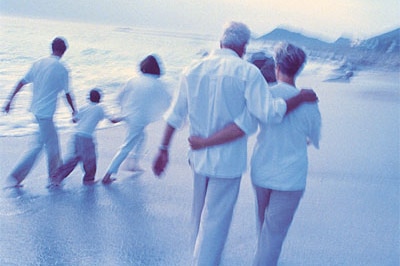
(275, 212)
(134, 139)
(214, 200)
(46, 138)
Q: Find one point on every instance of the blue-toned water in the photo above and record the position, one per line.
(104, 56)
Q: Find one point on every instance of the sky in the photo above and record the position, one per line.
(326, 19)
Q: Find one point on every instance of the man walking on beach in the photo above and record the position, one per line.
(279, 162)
(49, 77)
(212, 93)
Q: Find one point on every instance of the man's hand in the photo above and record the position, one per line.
(196, 143)
(74, 118)
(160, 163)
(308, 95)
(305, 95)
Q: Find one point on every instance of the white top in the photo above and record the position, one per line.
(88, 117)
(212, 93)
(279, 159)
(49, 77)
(144, 99)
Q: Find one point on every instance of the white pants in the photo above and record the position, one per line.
(214, 200)
(46, 138)
(134, 138)
(275, 212)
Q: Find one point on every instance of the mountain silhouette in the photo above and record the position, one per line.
(382, 51)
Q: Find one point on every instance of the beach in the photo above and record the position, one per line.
(349, 214)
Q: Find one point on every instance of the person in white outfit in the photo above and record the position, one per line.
(83, 148)
(49, 77)
(212, 93)
(143, 100)
(279, 162)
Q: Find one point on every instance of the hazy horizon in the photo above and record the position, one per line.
(326, 19)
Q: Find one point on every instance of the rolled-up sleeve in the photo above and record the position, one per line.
(260, 102)
(314, 125)
(65, 81)
(276, 109)
(247, 122)
(177, 114)
(28, 78)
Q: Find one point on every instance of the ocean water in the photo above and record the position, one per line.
(103, 56)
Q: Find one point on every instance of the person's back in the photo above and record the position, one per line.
(220, 80)
(49, 77)
(144, 99)
(88, 117)
(216, 88)
(279, 163)
(213, 94)
(279, 159)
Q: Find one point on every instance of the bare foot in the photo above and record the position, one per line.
(89, 182)
(13, 182)
(107, 179)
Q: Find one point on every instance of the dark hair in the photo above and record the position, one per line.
(95, 96)
(289, 58)
(266, 65)
(150, 65)
(59, 45)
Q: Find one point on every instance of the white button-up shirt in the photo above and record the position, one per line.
(212, 93)
(49, 77)
(279, 159)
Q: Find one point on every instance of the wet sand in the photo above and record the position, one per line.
(349, 214)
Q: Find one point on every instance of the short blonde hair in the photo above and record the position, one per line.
(289, 58)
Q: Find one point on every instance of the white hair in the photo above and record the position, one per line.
(236, 34)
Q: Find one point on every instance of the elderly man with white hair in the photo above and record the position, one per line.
(213, 92)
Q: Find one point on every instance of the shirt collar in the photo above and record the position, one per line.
(56, 57)
(225, 51)
(281, 83)
(149, 75)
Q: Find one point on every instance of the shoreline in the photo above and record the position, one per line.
(387, 76)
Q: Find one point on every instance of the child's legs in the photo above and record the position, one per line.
(64, 170)
(70, 162)
(87, 153)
